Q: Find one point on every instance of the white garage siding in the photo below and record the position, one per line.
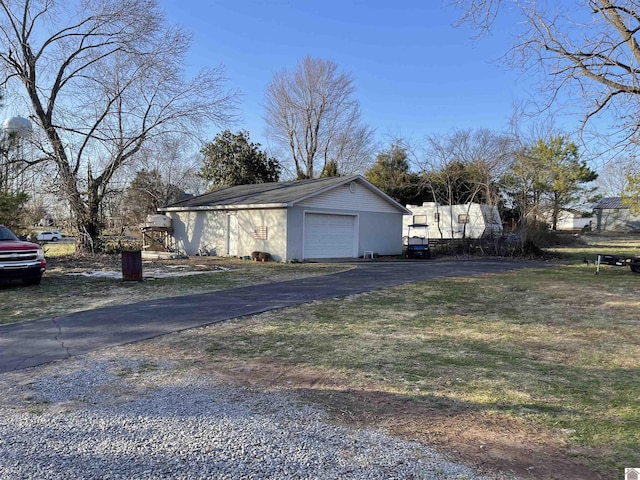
(354, 196)
(329, 236)
(231, 233)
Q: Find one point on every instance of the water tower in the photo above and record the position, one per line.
(18, 126)
(16, 129)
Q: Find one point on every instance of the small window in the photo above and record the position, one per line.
(463, 218)
(419, 219)
(436, 217)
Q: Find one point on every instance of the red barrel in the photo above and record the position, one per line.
(132, 265)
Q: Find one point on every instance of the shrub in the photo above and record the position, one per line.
(116, 245)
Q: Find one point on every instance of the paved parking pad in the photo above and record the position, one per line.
(28, 344)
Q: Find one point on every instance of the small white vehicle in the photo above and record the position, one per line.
(417, 241)
(49, 236)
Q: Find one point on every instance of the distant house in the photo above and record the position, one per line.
(336, 217)
(573, 220)
(613, 216)
(469, 220)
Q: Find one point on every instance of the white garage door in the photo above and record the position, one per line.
(329, 236)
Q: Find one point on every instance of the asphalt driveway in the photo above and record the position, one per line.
(28, 344)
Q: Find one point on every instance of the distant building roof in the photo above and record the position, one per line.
(610, 203)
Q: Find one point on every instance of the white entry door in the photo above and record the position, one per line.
(232, 235)
(329, 236)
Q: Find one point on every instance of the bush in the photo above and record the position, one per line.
(539, 235)
(116, 245)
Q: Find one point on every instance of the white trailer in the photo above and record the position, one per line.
(469, 220)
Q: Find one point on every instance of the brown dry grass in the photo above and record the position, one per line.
(532, 372)
(521, 371)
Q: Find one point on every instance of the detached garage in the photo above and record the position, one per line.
(337, 217)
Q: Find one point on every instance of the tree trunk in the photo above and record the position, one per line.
(555, 213)
(88, 236)
(88, 219)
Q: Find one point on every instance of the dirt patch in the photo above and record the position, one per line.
(78, 263)
(491, 442)
(488, 441)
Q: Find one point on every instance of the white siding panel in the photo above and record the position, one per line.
(274, 221)
(354, 196)
(329, 236)
(193, 230)
(231, 232)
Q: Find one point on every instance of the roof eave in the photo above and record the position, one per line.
(255, 206)
(383, 195)
(350, 179)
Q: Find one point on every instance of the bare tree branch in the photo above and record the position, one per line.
(103, 78)
(590, 44)
(312, 112)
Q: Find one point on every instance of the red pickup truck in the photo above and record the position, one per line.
(20, 260)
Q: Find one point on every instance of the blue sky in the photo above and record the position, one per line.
(415, 73)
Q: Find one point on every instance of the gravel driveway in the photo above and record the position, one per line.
(117, 415)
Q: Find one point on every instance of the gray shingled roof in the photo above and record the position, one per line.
(610, 203)
(266, 194)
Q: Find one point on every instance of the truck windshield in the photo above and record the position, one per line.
(6, 234)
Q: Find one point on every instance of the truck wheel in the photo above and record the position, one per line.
(32, 281)
(635, 267)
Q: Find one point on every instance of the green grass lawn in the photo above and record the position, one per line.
(557, 347)
(58, 249)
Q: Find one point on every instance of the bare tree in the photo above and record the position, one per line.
(171, 165)
(464, 166)
(102, 78)
(614, 175)
(312, 113)
(587, 50)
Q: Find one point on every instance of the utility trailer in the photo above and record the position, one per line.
(618, 261)
(416, 241)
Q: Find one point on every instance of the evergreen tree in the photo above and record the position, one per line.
(548, 177)
(231, 159)
(391, 174)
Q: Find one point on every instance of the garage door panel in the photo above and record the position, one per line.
(327, 236)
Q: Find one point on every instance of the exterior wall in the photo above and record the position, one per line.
(376, 232)
(275, 221)
(484, 220)
(378, 222)
(295, 233)
(380, 233)
(616, 220)
(195, 229)
(570, 221)
(353, 196)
